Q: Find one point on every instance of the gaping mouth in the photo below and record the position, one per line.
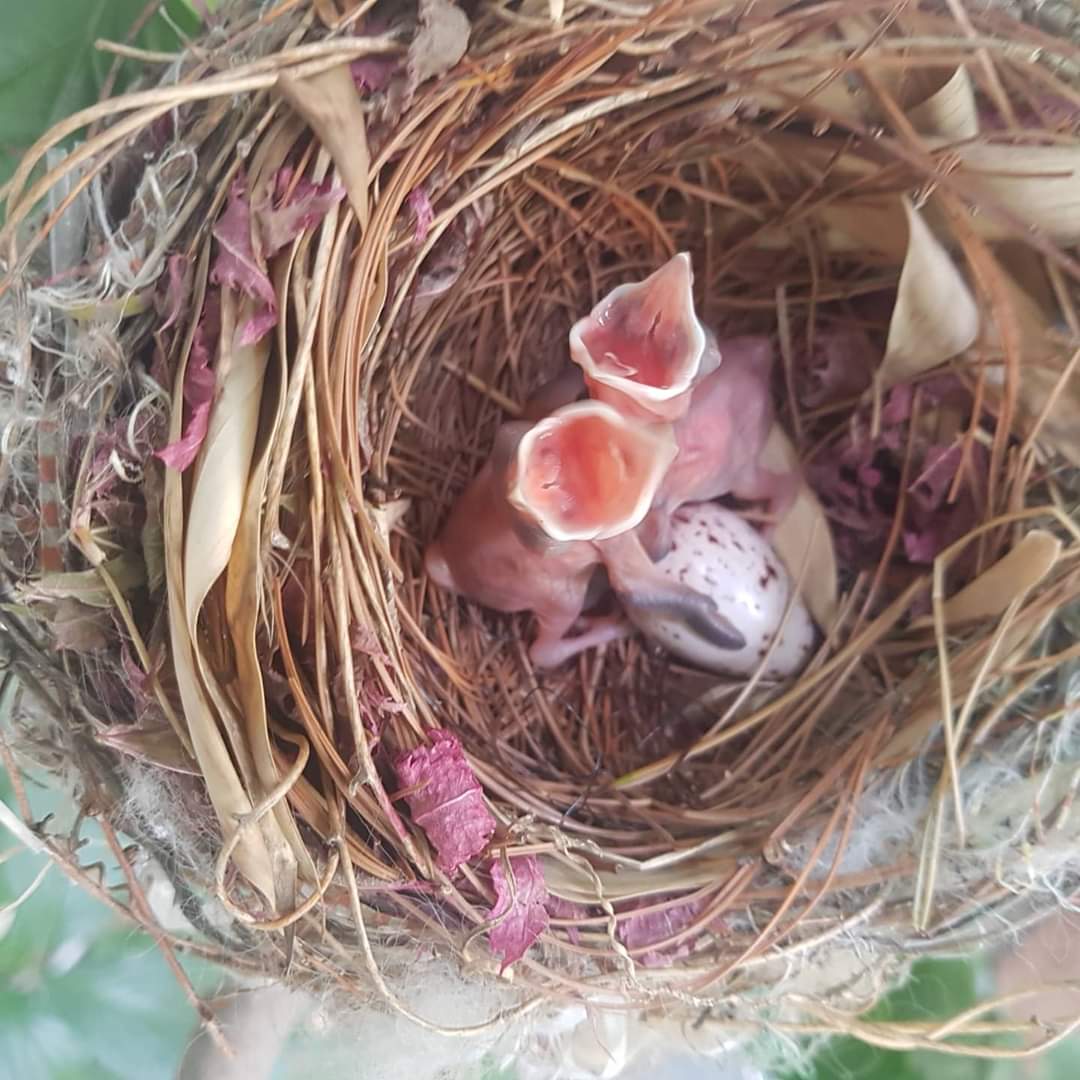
(644, 339)
(588, 473)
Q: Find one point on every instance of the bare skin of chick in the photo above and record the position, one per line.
(720, 441)
(487, 553)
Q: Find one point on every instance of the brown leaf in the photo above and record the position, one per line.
(1044, 358)
(440, 42)
(935, 317)
(87, 587)
(242, 608)
(805, 520)
(80, 628)
(158, 746)
(1017, 571)
(1038, 185)
(189, 580)
(800, 84)
(330, 104)
(950, 111)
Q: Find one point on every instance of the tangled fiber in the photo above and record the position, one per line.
(260, 324)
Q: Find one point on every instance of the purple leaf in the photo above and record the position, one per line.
(558, 908)
(238, 265)
(285, 217)
(652, 928)
(933, 523)
(931, 487)
(858, 480)
(519, 907)
(898, 405)
(420, 205)
(373, 73)
(174, 294)
(200, 384)
(446, 799)
(257, 327)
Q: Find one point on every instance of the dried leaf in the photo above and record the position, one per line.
(420, 205)
(868, 225)
(224, 464)
(1019, 570)
(446, 799)
(242, 611)
(933, 523)
(200, 384)
(1044, 360)
(440, 42)
(157, 746)
(258, 324)
(1051, 111)
(579, 886)
(452, 251)
(87, 587)
(802, 85)
(373, 73)
(921, 716)
(950, 111)
(639, 931)
(77, 627)
(195, 558)
(519, 908)
(804, 520)
(174, 293)
(1038, 185)
(935, 317)
(240, 264)
(858, 478)
(330, 104)
(288, 214)
(558, 908)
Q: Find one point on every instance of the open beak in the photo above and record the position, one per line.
(641, 347)
(586, 472)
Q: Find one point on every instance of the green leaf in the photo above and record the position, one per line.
(937, 989)
(49, 67)
(82, 993)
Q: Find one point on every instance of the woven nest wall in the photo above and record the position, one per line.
(261, 325)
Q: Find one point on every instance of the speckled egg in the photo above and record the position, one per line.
(718, 554)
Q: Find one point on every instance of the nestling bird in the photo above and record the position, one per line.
(642, 347)
(521, 536)
(720, 440)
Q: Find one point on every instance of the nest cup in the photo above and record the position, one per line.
(320, 260)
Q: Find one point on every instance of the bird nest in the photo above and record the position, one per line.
(261, 324)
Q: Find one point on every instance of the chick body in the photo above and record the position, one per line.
(720, 439)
